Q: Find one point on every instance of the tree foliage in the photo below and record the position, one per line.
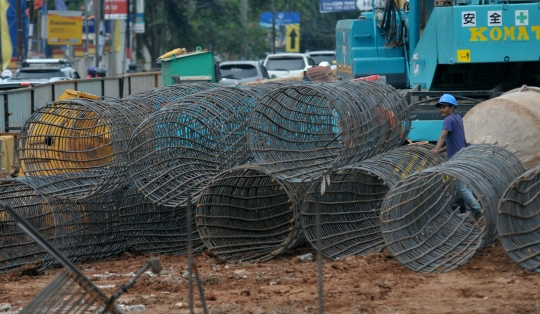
(216, 25)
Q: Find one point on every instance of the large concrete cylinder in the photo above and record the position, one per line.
(511, 120)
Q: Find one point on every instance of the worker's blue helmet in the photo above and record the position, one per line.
(447, 99)
(91, 69)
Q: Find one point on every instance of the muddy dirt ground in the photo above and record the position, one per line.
(489, 283)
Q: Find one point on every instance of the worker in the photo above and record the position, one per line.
(7, 74)
(132, 67)
(101, 72)
(91, 72)
(453, 134)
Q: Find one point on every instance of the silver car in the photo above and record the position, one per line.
(241, 72)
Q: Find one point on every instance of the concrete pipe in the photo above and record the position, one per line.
(511, 120)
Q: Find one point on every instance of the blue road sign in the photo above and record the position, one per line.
(282, 18)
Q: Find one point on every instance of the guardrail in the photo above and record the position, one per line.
(17, 105)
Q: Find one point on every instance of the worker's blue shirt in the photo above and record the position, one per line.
(455, 140)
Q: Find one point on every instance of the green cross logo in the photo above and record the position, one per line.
(522, 17)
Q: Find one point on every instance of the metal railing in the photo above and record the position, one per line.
(17, 105)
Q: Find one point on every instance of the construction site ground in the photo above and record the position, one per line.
(490, 283)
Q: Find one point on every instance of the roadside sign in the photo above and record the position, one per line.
(116, 9)
(283, 22)
(329, 6)
(293, 38)
(64, 28)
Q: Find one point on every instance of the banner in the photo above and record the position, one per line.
(64, 28)
(116, 9)
(329, 6)
(7, 48)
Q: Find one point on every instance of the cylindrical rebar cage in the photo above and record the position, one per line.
(16, 247)
(152, 229)
(519, 221)
(184, 145)
(299, 132)
(78, 230)
(420, 226)
(352, 199)
(247, 215)
(162, 96)
(77, 148)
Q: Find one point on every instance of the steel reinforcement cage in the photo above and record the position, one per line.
(423, 229)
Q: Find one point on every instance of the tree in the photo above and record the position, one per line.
(215, 25)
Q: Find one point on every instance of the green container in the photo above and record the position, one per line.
(191, 67)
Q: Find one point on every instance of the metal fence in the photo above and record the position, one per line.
(19, 104)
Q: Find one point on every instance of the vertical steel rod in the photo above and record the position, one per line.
(319, 255)
(190, 251)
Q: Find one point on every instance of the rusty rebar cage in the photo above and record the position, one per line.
(77, 148)
(300, 132)
(162, 96)
(184, 145)
(16, 247)
(519, 222)
(419, 224)
(153, 229)
(247, 215)
(80, 230)
(352, 199)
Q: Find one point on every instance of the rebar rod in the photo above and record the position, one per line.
(420, 226)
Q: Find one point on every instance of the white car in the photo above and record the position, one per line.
(287, 64)
(324, 55)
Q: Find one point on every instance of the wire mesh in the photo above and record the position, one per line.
(300, 132)
(424, 231)
(77, 148)
(184, 145)
(247, 215)
(70, 291)
(80, 230)
(351, 204)
(16, 247)
(162, 96)
(153, 229)
(518, 220)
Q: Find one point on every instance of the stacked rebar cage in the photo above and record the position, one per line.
(420, 226)
(184, 145)
(300, 132)
(154, 229)
(73, 155)
(351, 203)
(519, 221)
(80, 230)
(70, 291)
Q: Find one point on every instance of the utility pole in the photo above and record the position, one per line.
(132, 29)
(273, 27)
(99, 30)
(128, 39)
(86, 13)
(243, 20)
(19, 32)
